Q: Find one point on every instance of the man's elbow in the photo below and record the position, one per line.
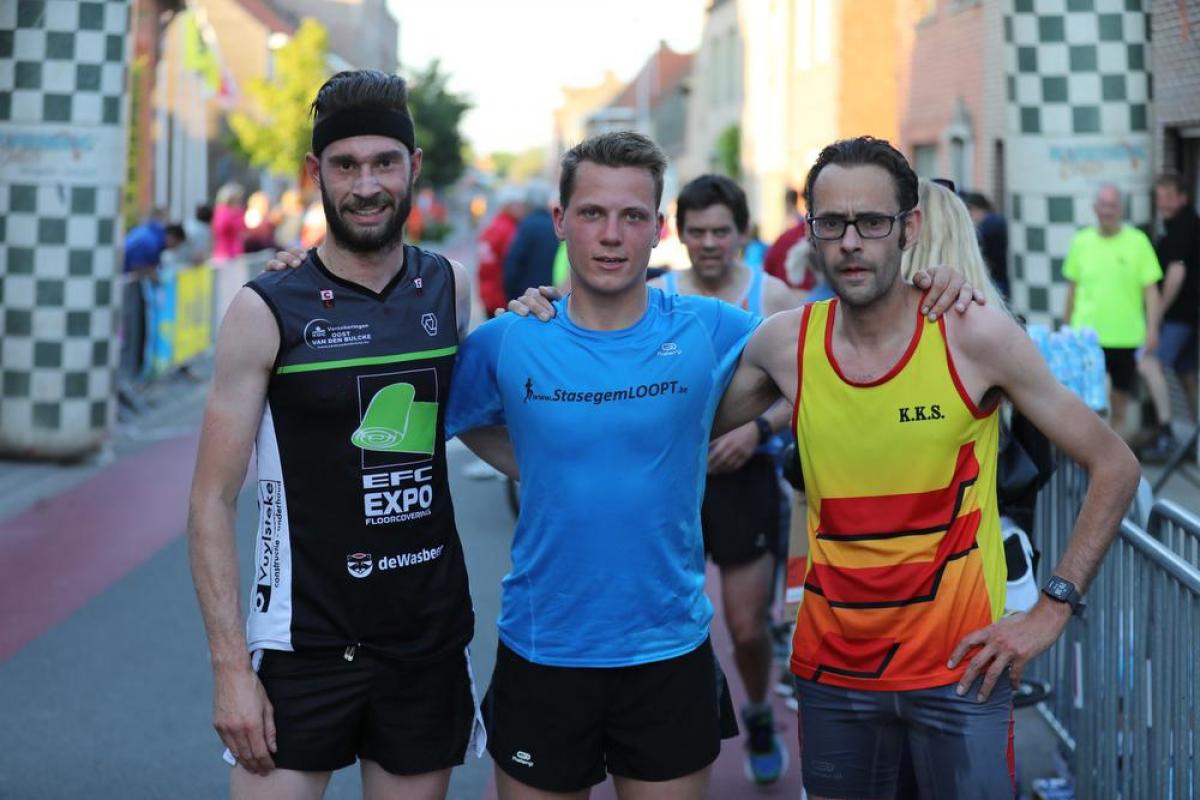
(1118, 471)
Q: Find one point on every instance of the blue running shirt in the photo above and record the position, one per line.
(611, 433)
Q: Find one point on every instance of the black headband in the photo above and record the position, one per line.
(363, 122)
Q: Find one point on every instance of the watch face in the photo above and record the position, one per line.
(1057, 588)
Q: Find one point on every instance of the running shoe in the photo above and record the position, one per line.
(766, 757)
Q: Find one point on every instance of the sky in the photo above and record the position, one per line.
(512, 57)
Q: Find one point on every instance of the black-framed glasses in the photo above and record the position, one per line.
(869, 226)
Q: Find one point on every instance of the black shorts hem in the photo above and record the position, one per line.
(673, 774)
(302, 762)
(524, 777)
(408, 771)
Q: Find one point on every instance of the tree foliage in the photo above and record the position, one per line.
(437, 114)
(729, 151)
(522, 166)
(278, 139)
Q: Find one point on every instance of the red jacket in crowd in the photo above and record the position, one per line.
(776, 258)
(493, 245)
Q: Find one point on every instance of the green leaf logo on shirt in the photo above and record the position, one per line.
(396, 422)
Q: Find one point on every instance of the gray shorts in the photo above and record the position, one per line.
(851, 741)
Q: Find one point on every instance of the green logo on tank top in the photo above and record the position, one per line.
(395, 422)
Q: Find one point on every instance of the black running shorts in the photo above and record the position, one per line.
(409, 718)
(560, 729)
(1121, 363)
(740, 514)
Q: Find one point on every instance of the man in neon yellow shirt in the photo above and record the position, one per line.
(1113, 274)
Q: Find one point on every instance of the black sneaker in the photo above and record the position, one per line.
(1159, 450)
(766, 757)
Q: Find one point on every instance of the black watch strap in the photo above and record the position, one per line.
(764, 430)
(1063, 591)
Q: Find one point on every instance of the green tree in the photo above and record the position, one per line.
(437, 114)
(129, 202)
(729, 151)
(520, 166)
(278, 139)
(528, 164)
(502, 162)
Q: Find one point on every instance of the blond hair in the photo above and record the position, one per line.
(948, 238)
(231, 194)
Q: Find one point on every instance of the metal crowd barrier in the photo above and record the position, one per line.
(181, 312)
(1125, 679)
(1178, 529)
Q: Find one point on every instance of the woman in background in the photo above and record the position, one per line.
(228, 223)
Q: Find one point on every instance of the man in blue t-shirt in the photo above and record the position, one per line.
(604, 662)
(608, 408)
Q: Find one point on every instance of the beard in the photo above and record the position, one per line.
(373, 239)
(884, 278)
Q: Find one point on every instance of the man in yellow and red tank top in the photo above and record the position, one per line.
(899, 635)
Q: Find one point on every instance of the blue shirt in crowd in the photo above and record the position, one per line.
(144, 245)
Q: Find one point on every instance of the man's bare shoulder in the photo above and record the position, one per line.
(248, 308)
(781, 328)
(983, 332)
(249, 333)
(778, 296)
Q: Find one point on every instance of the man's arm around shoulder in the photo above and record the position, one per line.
(766, 372)
(990, 350)
(246, 349)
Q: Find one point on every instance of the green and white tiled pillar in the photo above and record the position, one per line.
(62, 167)
(1078, 106)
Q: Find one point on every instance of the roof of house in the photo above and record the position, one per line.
(664, 71)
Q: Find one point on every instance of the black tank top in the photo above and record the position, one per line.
(356, 540)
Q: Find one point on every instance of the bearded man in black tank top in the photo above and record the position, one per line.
(359, 611)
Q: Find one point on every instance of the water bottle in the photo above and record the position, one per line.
(1056, 356)
(1075, 378)
(1096, 395)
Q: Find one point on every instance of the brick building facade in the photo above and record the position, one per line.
(953, 124)
(1175, 38)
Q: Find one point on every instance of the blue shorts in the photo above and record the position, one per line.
(1177, 346)
(851, 741)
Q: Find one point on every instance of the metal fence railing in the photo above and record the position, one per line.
(175, 317)
(1125, 679)
(1178, 529)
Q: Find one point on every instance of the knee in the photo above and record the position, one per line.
(748, 631)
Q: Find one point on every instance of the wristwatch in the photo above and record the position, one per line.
(1063, 591)
(764, 430)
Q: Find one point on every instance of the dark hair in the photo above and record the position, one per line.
(176, 230)
(862, 151)
(977, 200)
(614, 149)
(204, 213)
(360, 88)
(1173, 179)
(712, 190)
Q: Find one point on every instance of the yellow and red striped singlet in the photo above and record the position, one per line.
(904, 537)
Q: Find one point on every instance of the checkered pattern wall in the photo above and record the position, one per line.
(62, 84)
(1078, 107)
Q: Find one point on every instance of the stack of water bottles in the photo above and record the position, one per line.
(1076, 360)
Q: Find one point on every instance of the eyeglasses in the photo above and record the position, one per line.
(869, 226)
